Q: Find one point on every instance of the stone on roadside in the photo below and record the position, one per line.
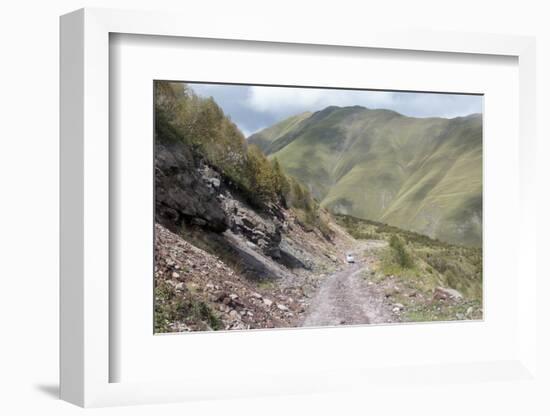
(444, 293)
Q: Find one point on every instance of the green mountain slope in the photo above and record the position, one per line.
(420, 174)
(266, 137)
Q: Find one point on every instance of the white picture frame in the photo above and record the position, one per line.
(85, 221)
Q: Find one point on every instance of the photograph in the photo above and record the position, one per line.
(293, 207)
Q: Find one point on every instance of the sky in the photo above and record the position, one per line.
(253, 108)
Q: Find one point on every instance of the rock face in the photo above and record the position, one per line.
(181, 193)
(190, 192)
(264, 233)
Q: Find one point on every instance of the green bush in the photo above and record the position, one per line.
(402, 256)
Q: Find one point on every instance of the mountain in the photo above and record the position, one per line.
(266, 137)
(419, 174)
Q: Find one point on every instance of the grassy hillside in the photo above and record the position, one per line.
(423, 175)
(418, 265)
(265, 138)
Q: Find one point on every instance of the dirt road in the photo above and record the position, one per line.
(345, 298)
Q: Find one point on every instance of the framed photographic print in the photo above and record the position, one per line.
(284, 213)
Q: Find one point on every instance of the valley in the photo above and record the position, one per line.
(420, 174)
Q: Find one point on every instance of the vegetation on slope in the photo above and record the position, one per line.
(420, 174)
(199, 123)
(420, 265)
(265, 138)
(171, 306)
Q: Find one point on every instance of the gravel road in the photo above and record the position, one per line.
(345, 298)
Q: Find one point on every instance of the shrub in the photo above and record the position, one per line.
(401, 254)
(171, 307)
(262, 176)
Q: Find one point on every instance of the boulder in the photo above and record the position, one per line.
(443, 293)
(215, 182)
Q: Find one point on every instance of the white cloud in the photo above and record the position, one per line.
(284, 101)
(254, 108)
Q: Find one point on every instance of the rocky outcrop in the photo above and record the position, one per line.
(181, 193)
(262, 232)
(263, 244)
(294, 255)
(190, 191)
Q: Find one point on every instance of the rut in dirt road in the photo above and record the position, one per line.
(345, 298)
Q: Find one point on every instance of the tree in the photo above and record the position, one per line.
(262, 175)
(282, 186)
